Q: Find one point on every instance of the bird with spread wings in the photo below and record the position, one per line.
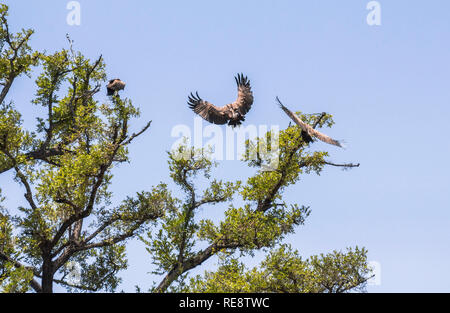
(309, 132)
(233, 113)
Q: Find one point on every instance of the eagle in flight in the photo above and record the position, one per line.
(309, 132)
(114, 86)
(233, 113)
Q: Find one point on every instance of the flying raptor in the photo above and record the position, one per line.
(307, 131)
(114, 86)
(233, 113)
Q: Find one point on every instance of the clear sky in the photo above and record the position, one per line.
(387, 87)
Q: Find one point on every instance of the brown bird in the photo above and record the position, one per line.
(233, 113)
(114, 86)
(307, 131)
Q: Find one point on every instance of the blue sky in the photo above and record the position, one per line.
(387, 87)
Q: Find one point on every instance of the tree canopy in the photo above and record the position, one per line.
(285, 271)
(65, 170)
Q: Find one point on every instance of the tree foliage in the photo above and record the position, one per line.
(284, 271)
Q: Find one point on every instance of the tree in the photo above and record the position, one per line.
(65, 169)
(260, 223)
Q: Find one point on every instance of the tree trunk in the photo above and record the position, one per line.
(47, 276)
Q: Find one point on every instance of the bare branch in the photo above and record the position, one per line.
(133, 136)
(345, 166)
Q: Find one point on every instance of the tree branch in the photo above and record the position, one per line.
(133, 136)
(319, 120)
(348, 165)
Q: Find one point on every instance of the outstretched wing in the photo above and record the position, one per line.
(245, 95)
(308, 129)
(207, 110)
(116, 84)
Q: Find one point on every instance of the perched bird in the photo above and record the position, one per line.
(309, 132)
(114, 86)
(233, 113)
